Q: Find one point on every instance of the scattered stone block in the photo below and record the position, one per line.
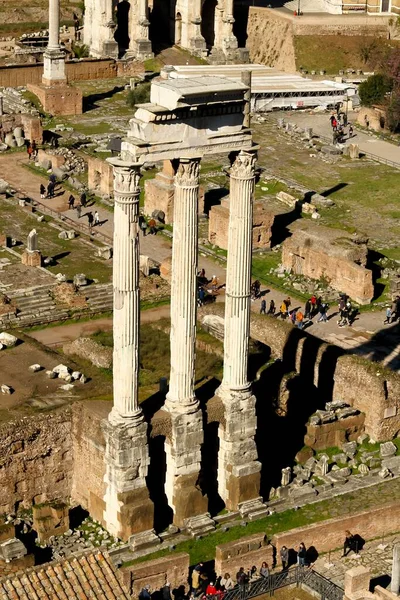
(321, 201)
(385, 473)
(61, 370)
(51, 374)
(287, 199)
(350, 448)
(2, 346)
(67, 387)
(76, 375)
(71, 234)
(343, 413)
(387, 450)
(363, 469)
(61, 278)
(35, 368)
(12, 549)
(8, 340)
(340, 458)
(83, 379)
(6, 389)
(105, 253)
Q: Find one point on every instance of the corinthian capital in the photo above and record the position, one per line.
(244, 165)
(126, 179)
(188, 173)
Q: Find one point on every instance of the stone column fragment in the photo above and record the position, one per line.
(238, 467)
(183, 449)
(197, 41)
(395, 582)
(128, 509)
(229, 42)
(139, 30)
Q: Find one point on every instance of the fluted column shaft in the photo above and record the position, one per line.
(238, 274)
(126, 320)
(54, 24)
(181, 397)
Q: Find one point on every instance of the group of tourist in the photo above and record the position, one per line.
(206, 288)
(338, 124)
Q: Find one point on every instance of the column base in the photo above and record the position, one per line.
(198, 45)
(183, 452)
(143, 49)
(200, 525)
(110, 49)
(144, 540)
(238, 467)
(128, 508)
(32, 258)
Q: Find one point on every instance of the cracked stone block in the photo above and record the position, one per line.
(387, 450)
(350, 449)
(8, 340)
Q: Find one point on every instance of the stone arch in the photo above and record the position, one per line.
(162, 23)
(178, 29)
(208, 21)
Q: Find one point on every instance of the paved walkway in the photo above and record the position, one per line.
(158, 247)
(321, 126)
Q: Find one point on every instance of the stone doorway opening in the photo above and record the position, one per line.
(162, 24)
(121, 35)
(208, 22)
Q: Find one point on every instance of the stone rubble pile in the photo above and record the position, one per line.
(14, 102)
(73, 162)
(63, 372)
(305, 284)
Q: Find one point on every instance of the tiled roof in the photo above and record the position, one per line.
(90, 575)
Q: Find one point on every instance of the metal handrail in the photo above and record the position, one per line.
(294, 576)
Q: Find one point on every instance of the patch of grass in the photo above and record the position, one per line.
(261, 266)
(153, 64)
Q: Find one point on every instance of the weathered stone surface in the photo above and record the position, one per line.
(387, 449)
(316, 252)
(350, 448)
(63, 235)
(35, 368)
(98, 355)
(8, 340)
(12, 549)
(6, 389)
(363, 469)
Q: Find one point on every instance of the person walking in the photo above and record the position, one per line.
(42, 190)
(29, 151)
(351, 131)
(299, 319)
(293, 316)
(78, 210)
(96, 218)
(302, 555)
(50, 190)
(272, 308)
(34, 149)
(71, 201)
(350, 544)
(284, 310)
(323, 309)
(152, 226)
(142, 225)
(307, 309)
(83, 199)
(388, 316)
(263, 307)
(313, 301)
(90, 221)
(284, 554)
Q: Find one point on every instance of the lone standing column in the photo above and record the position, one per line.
(128, 508)
(238, 467)
(140, 36)
(54, 56)
(183, 449)
(395, 583)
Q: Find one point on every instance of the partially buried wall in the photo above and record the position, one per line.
(35, 460)
(367, 386)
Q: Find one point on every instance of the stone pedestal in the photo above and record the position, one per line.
(183, 449)
(58, 99)
(238, 467)
(32, 258)
(128, 508)
(54, 67)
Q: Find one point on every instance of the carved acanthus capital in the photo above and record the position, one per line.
(126, 180)
(188, 173)
(244, 165)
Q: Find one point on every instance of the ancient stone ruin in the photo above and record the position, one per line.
(320, 252)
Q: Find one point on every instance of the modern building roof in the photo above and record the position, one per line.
(90, 575)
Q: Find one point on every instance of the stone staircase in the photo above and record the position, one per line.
(99, 297)
(36, 305)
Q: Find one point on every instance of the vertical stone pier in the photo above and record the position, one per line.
(238, 467)
(229, 42)
(395, 582)
(197, 41)
(128, 508)
(54, 56)
(184, 448)
(143, 49)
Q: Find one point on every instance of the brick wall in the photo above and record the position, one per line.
(81, 70)
(329, 535)
(156, 573)
(380, 400)
(88, 487)
(35, 460)
(100, 176)
(246, 552)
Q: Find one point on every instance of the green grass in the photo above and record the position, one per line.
(261, 270)
(153, 64)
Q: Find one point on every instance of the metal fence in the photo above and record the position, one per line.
(298, 576)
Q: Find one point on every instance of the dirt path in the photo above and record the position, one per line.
(158, 247)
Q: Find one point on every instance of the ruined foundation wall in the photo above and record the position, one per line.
(156, 573)
(35, 460)
(88, 486)
(380, 400)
